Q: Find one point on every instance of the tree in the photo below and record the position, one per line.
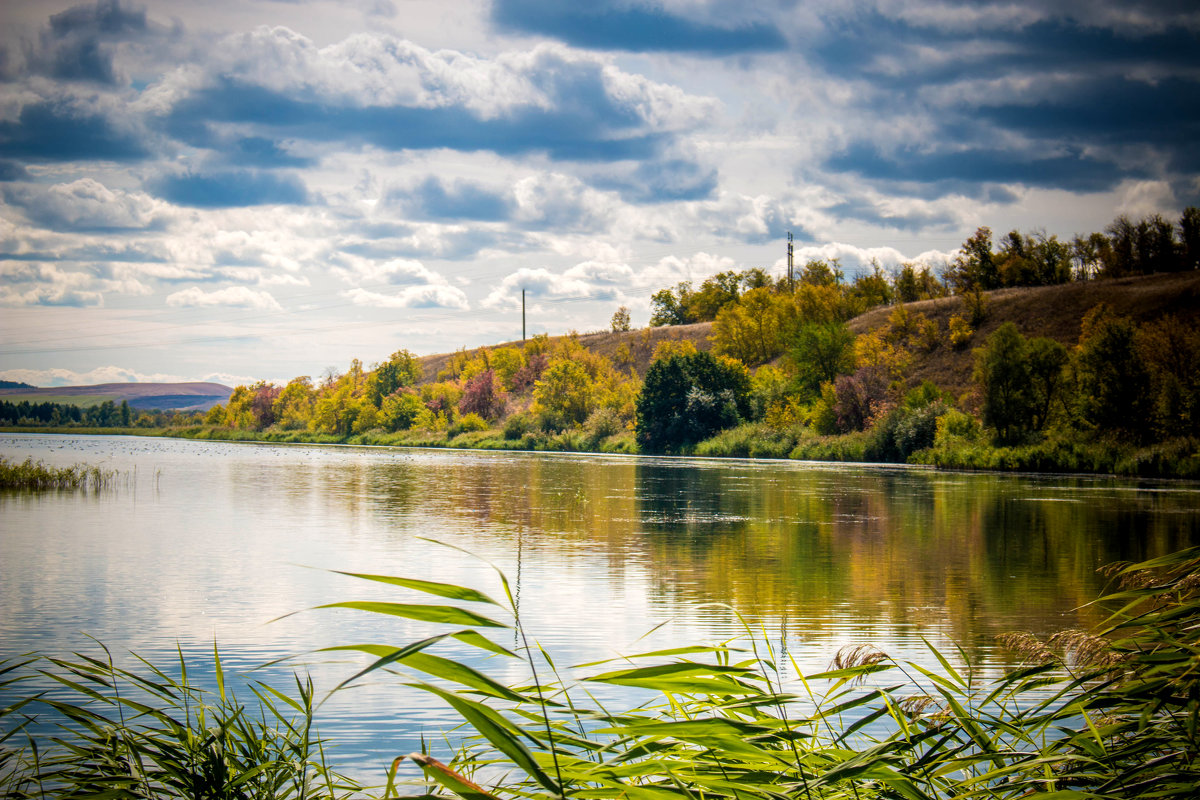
(754, 328)
(564, 396)
(1002, 373)
(820, 351)
(669, 307)
(400, 370)
(1113, 381)
(620, 320)
(293, 407)
(975, 266)
(1020, 381)
(689, 397)
(482, 396)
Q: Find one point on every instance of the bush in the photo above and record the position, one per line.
(601, 424)
(467, 423)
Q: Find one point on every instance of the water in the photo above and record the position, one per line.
(205, 541)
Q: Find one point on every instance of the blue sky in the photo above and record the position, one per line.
(264, 189)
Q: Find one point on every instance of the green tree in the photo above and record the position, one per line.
(400, 370)
(1002, 373)
(620, 320)
(1112, 379)
(820, 351)
(689, 397)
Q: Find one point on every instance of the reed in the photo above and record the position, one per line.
(1110, 713)
(38, 476)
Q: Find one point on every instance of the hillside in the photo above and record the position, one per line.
(196, 396)
(1051, 311)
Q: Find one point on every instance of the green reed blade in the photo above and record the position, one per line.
(447, 590)
(450, 615)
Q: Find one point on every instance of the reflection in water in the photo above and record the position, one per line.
(214, 539)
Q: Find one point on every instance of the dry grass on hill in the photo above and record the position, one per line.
(1052, 311)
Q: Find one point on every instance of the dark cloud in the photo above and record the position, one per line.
(255, 151)
(667, 181)
(864, 210)
(607, 25)
(948, 170)
(78, 44)
(49, 131)
(1116, 111)
(230, 189)
(590, 127)
(895, 54)
(434, 200)
(12, 171)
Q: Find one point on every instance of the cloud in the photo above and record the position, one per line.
(62, 130)
(67, 377)
(637, 27)
(394, 272)
(86, 205)
(958, 169)
(664, 181)
(558, 202)
(78, 43)
(388, 93)
(854, 259)
(541, 283)
(232, 297)
(34, 283)
(230, 189)
(428, 296)
(12, 171)
(434, 199)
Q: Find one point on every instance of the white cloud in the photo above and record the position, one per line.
(234, 297)
(854, 259)
(87, 203)
(106, 374)
(395, 272)
(412, 297)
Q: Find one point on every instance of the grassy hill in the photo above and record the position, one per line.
(1051, 311)
(196, 396)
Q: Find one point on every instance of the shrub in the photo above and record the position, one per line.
(601, 424)
(960, 332)
(467, 423)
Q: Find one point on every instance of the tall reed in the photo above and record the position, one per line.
(39, 476)
(1111, 713)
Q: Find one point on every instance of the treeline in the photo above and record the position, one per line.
(1126, 247)
(108, 414)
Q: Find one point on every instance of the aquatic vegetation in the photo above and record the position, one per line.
(29, 474)
(1109, 713)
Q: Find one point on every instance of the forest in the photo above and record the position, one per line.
(783, 374)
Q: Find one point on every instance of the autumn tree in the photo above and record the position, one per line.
(620, 320)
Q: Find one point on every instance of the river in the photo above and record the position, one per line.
(199, 542)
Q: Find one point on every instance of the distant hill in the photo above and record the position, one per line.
(140, 396)
(16, 385)
(1052, 311)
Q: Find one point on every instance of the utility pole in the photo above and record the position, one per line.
(522, 316)
(791, 285)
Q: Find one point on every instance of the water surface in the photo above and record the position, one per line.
(204, 541)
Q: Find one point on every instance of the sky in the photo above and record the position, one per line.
(243, 190)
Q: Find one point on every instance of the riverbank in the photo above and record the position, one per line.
(1175, 459)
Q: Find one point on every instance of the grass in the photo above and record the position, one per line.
(37, 476)
(1111, 713)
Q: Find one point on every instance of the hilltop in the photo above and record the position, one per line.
(194, 396)
(1055, 312)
